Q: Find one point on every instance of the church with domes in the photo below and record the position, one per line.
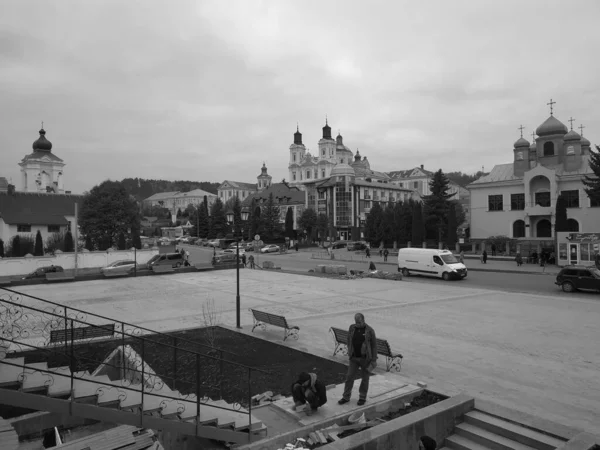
(42, 170)
(518, 199)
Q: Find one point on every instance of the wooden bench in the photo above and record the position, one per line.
(93, 331)
(392, 360)
(261, 319)
(59, 276)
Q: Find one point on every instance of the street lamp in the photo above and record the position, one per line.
(231, 220)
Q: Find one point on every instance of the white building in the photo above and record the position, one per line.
(42, 171)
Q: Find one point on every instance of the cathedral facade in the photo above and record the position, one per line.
(42, 170)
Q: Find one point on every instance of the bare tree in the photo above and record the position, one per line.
(211, 316)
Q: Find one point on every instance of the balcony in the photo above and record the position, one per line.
(538, 210)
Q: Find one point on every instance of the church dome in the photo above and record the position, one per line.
(551, 126)
(341, 170)
(572, 136)
(42, 144)
(585, 142)
(533, 146)
(521, 142)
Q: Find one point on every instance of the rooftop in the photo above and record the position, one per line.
(37, 208)
(279, 190)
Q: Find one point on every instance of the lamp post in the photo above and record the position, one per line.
(231, 220)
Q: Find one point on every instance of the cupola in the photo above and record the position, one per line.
(42, 144)
(327, 130)
(551, 126)
(297, 137)
(521, 143)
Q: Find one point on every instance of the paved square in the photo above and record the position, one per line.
(529, 352)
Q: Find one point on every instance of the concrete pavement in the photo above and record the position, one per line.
(530, 352)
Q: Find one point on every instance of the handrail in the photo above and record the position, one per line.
(123, 332)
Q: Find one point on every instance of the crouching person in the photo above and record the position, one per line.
(307, 389)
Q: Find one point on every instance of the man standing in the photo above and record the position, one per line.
(362, 351)
(385, 254)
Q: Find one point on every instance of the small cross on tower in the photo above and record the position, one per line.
(551, 106)
(42, 124)
(571, 120)
(521, 128)
(581, 127)
(532, 136)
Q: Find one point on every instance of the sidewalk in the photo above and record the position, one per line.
(473, 263)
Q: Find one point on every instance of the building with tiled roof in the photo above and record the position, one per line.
(24, 213)
(177, 200)
(229, 189)
(42, 170)
(518, 199)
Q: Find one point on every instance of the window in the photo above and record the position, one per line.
(549, 149)
(401, 184)
(542, 198)
(308, 174)
(294, 176)
(517, 202)
(495, 202)
(519, 229)
(53, 228)
(438, 260)
(519, 156)
(323, 152)
(23, 228)
(571, 198)
(570, 150)
(416, 184)
(294, 156)
(323, 173)
(572, 225)
(342, 161)
(316, 173)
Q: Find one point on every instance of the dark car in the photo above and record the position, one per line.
(225, 258)
(356, 246)
(175, 260)
(339, 244)
(572, 278)
(41, 272)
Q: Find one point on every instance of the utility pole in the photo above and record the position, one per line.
(76, 239)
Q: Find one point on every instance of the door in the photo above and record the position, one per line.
(438, 265)
(586, 280)
(573, 254)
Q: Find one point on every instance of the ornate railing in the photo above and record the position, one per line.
(46, 331)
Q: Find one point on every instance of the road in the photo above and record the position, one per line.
(508, 282)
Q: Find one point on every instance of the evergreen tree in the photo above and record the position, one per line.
(270, 216)
(1, 248)
(437, 205)
(399, 231)
(289, 223)
(387, 226)
(250, 229)
(373, 225)
(561, 214)
(237, 216)
(179, 214)
(256, 224)
(218, 220)
(88, 243)
(308, 221)
(39, 245)
(452, 237)
(592, 183)
(136, 240)
(407, 215)
(121, 243)
(206, 205)
(69, 246)
(417, 225)
(322, 226)
(16, 247)
(202, 222)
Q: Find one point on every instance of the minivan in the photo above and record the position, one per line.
(174, 260)
(430, 262)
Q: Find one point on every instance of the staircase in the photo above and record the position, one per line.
(483, 431)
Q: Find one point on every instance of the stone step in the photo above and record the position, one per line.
(88, 387)
(9, 373)
(488, 439)
(61, 382)
(34, 380)
(512, 431)
(457, 442)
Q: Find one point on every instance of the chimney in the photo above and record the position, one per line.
(422, 166)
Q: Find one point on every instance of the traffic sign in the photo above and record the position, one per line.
(257, 237)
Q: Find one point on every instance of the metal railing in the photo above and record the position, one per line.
(45, 331)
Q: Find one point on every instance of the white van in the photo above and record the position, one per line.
(430, 262)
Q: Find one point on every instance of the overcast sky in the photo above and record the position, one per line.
(209, 90)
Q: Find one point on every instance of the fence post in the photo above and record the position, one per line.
(72, 364)
(221, 375)
(175, 364)
(143, 384)
(197, 391)
(123, 367)
(249, 402)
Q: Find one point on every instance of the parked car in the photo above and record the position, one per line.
(214, 243)
(123, 267)
(339, 244)
(572, 278)
(174, 260)
(224, 258)
(356, 246)
(233, 251)
(41, 272)
(271, 248)
(201, 242)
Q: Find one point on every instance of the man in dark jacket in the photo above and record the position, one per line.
(308, 389)
(362, 351)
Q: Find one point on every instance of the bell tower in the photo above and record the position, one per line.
(297, 153)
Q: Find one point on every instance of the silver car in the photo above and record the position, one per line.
(123, 267)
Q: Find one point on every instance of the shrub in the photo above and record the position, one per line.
(56, 241)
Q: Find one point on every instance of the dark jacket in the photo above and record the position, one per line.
(369, 346)
(318, 387)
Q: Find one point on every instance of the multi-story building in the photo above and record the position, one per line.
(174, 201)
(518, 199)
(229, 189)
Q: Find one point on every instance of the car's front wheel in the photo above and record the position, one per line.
(445, 276)
(405, 272)
(567, 286)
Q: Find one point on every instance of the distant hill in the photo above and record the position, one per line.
(142, 189)
(462, 179)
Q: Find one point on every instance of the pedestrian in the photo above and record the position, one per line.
(244, 259)
(296, 245)
(308, 389)
(380, 252)
(251, 261)
(372, 267)
(493, 249)
(385, 254)
(427, 443)
(484, 257)
(187, 258)
(519, 260)
(543, 259)
(362, 354)
(461, 257)
(368, 252)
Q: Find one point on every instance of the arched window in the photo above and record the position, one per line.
(549, 149)
(519, 229)
(544, 228)
(572, 225)
(519, 156)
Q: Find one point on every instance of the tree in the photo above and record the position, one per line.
(106, 211)
(16, 246)
(417, 225)
(88, 243)
(39, 245)
(256, 221)
(179, 213)
(437, 205)
(201, 224)
(121, 243)
(399, 230)
(373, 225)
(218, 220)
(308, 221)
(1, 248)
(69, 246)
(561, 214)
(270, 216)
(322, 226)
(451, 237)
(387, 226)
(236, 206)
(592, 183)
(407, 215)
(289, 223)
(189, 211)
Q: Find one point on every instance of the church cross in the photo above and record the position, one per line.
(571, 120)
(521, 128)
(42, 124)
(551, 106)
(533, 136)
(581, 127)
